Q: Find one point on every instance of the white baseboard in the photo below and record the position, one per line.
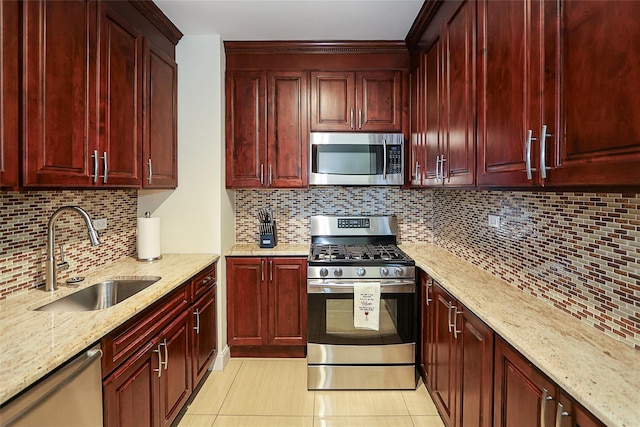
(221, 359)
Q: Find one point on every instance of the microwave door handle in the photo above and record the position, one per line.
(384, 159)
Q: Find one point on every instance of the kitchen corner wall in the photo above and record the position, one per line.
(580, 252)
(23, 233)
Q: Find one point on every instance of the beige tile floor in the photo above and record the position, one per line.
(273, 393)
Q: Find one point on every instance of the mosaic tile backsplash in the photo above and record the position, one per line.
(580, 252)
(23, 233)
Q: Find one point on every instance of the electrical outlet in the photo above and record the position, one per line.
(100, 224)
(494, 221)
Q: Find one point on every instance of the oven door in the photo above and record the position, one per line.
(330, 314)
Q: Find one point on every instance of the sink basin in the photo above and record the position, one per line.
(101, 295)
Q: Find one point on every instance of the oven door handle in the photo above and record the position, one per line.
(395, 287)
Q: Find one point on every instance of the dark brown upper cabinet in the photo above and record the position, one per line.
(82, 92)
(160, 131)
(267, 149)
(368, 101)
(445, 137)
(9, 93)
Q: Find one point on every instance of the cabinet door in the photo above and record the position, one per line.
(160, 139)
(175, 381)
(598, 134)
(379, 101)
(332, 101)
(246, 301)
(131, 392)
(475, 387)
(509, 62)
(431, 61)
(204, 334)
(121, 101)
(522, 397)
(427, 328)
(59, 93)
(9, 84)
(288, 138)
(444, 355)
(245, 129)
(287, 301)
(458, 97)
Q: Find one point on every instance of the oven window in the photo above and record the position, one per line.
(330, 318)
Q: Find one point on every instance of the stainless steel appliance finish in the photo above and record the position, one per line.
(346, 251)
(356, 158)
(71, 396)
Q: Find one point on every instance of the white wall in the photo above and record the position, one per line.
(198, 216)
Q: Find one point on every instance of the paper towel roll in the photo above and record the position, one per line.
(148, 239)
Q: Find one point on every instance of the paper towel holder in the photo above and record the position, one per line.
(159, 257)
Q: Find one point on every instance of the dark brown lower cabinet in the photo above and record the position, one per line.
(459, 356)
(524, 397)
(153, 362)
(267, 306)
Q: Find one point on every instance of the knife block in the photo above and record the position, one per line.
(268, 235)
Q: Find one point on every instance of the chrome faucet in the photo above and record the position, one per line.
(51, 280)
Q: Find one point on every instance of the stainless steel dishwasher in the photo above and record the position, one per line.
(70, 396)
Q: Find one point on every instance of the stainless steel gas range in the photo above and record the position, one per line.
(347, 255)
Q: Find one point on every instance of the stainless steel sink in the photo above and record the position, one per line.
(101, 295)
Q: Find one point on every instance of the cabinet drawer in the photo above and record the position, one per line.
(203, 281)
(132, 335)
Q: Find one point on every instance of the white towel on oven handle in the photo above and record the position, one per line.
(366, 305)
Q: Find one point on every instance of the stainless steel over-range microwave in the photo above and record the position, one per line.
(356, 158)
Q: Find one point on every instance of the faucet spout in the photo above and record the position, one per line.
(51, 279)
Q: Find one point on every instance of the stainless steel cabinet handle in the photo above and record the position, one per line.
(94, 156)
(159, 370)
(105, 166)
(527, 153)
(543, 152)
(455, 322)
(207, 279)
(150, 177)
(261, 173)
(417, 176)
(560, 412)
(437, 168)
(166, 354)
(197, 327)
(384, 159)
(271, 270)
(543, 407)
(449, 317)
(262, 269)
(360, 118)
(351, 119)
(427, 300)
(270, 174)
(442, 160)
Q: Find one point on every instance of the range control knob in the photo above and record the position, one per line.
(360, 271)
(324, 272)
(384, 271)
(337, 272)
(398, 271)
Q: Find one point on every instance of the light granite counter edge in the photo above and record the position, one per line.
(599, 372)
(282, 249)
(34, 343)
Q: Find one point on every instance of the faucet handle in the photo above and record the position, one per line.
(62, 265)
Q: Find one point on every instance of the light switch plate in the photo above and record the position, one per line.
(100, 224)
(494, 221)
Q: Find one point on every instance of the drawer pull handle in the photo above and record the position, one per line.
(159, 370)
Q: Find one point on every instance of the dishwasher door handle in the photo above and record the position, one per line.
(34, 397)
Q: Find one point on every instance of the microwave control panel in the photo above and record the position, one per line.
(394, 159)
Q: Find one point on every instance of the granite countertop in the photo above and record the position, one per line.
(599, 372)
(33, 343)
(281, 249)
